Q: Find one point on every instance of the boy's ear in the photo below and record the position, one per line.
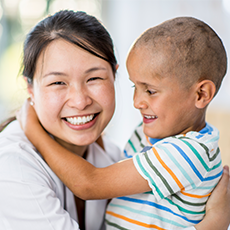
(29, 88)
(205, 92)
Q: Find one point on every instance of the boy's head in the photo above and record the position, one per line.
(183, 58)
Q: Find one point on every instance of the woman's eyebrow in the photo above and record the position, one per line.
(54, 73)
(95, 69)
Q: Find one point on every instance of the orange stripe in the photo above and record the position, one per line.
(195, 196)
(134, 221)
(168, 169)
(147, 138)
(174, 176)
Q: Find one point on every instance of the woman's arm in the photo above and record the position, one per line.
(95, 183)
(218, 206)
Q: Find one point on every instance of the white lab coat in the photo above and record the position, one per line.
(32, 196)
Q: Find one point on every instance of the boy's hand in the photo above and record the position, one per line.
(27, 116)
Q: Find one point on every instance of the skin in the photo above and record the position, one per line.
(150, 94)
(109, 182)
(72, 83)
(167, 107)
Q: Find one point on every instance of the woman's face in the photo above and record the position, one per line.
(73, 93)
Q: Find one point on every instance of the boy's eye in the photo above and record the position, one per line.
(150, 92)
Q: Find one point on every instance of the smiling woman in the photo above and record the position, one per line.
(69, 67)
(78, 90)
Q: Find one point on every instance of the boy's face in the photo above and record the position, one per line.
(167, 107)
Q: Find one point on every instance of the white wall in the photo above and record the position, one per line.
(127, 19)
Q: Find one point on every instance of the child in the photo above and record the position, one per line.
(177, 68)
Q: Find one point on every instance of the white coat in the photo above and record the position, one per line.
(32, 197)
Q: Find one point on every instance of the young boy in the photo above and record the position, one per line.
(177, 68)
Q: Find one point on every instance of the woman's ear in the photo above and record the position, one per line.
(205, 92)
(29, 88)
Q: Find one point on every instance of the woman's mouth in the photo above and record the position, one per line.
(81, 120)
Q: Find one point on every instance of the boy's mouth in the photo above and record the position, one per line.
(81, 120)
(150, 117)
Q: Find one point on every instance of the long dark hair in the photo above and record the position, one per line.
(78, 28)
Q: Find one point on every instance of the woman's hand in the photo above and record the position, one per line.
(218, 206)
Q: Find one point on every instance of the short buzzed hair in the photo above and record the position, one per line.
(196, 52)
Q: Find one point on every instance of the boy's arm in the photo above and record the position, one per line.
(82, 178)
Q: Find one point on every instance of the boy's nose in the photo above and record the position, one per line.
(138, 101)
(78, 98)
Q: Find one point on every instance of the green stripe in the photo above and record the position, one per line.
(139, 138)
(205, 148)
(213, 139)
(182, 200)
(137, 135)
(143, 213)
(115, 225)
(198, 156)
(183, 209)
(147, 175)
(173, 159)
(215, 155)
(169, 187)
(158, 173)
(207, 153)
(186, 202)
(131, 144)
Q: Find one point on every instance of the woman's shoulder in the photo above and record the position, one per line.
(102, 157)
(19, 158)
(111, 148)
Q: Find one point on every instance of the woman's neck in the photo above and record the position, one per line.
(79, 150)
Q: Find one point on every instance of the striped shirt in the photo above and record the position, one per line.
(181, 170)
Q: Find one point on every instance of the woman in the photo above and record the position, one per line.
(69, 66)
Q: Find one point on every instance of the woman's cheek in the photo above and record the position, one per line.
(47, 105)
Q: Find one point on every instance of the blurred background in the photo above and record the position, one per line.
(125, 20)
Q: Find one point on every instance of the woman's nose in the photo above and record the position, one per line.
(79, 98)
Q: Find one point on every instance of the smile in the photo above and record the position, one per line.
(80, 120)
(150, 117)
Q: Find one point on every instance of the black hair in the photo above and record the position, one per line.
(196, 51)
(78, 28)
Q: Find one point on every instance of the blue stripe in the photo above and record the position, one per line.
(186, 175)
(143, 213)
(126, 154)
(183, 154)
(158, 207)
(137, 157)
(214, 139)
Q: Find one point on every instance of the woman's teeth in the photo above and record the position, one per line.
(79, 120)
(150, 117)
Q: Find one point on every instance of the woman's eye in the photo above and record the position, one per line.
(58, 83)
(94, 78)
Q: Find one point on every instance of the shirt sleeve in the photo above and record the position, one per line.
(175, 165)
(28, 196)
